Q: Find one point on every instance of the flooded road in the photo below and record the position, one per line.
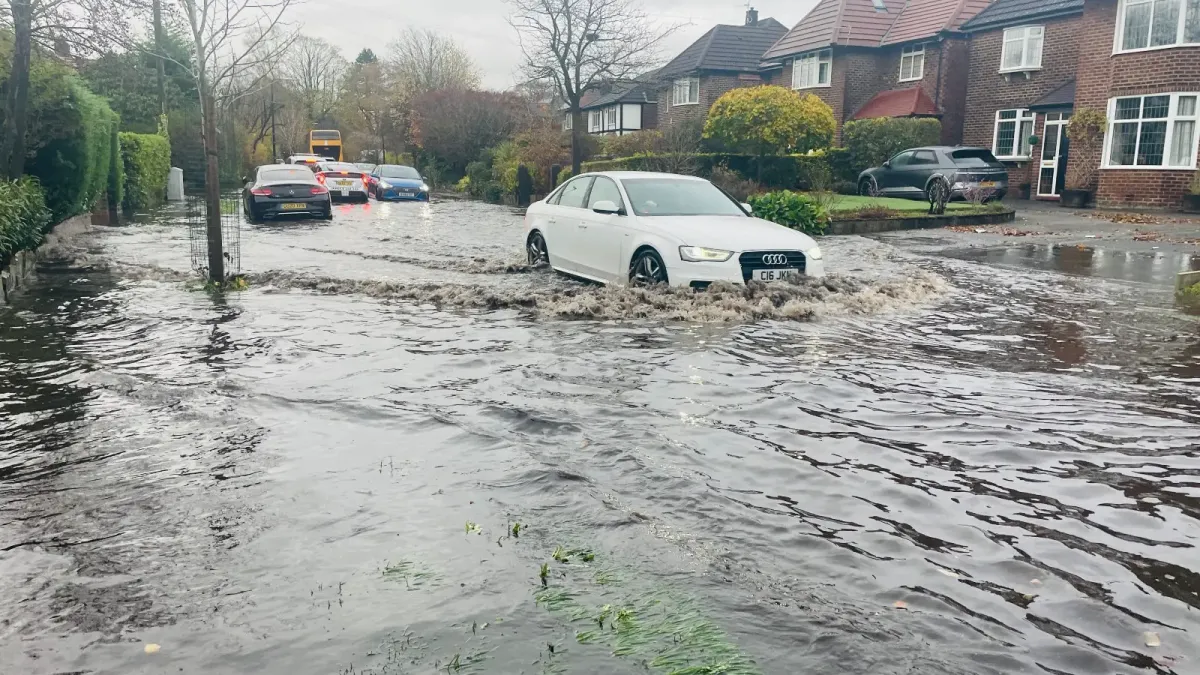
(401, 451)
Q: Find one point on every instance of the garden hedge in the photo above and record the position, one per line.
(778, 171)
(73, 156)
(146, 159)
(23, 217)
(872, 142)
(791, 209)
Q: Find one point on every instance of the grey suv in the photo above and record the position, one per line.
(909, 174)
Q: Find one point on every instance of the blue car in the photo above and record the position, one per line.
(397, 182)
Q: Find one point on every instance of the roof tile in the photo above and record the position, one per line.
(726, 48)
(873, 23)
(909, 102)
(1010, 12)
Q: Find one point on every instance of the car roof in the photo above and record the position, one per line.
(280, 166)
(402, 166)
(640, 174)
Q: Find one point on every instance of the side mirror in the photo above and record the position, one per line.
(606, 206)
(749, 209)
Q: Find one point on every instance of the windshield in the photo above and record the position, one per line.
(400, 172)
(678, 197)
(302, 175)
(974, 157)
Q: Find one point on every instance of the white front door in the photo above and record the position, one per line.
(1053, 159)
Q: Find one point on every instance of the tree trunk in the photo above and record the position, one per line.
(577, 133)
(212, 184)
(12, 146)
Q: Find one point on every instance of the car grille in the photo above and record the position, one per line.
(753, 260)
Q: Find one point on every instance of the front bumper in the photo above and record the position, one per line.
(701, 274)
(402, 194)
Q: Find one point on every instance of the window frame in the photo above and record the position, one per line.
(1119, 29)
(1173, 117)
(1022, 115)
(599, 121)
(685, 83)
(911, 52)
(1025, 66)
(611, 118)
(568, 122)
(809, 59)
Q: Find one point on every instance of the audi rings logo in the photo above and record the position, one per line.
(775, 259)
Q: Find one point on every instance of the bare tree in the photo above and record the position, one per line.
(315, 68)
(579, 44)
(228, 38)
(422, 61)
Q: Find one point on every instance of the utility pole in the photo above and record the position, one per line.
(273, 155)
(158, 48)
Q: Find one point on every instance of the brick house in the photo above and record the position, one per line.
(724, 58)
(1021, 84)
(1141, 65)
(617, 108)
(880, 58)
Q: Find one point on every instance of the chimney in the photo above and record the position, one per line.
(751, 17)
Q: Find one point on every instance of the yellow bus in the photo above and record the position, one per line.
(325, 143)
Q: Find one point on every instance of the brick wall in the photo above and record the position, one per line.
(1104, 75)
(953, 73)
(711, 87)
(987, 90)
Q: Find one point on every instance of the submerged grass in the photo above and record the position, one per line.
(413, 575)
(666, 631)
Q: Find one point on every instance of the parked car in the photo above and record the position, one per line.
(277, 190)
(344, 180)
(395, 181)
(910, 174)
(657, 228)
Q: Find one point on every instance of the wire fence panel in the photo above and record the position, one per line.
(231, 234)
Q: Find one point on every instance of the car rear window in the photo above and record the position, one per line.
(974, 157)
(339, 166)
(299, 174)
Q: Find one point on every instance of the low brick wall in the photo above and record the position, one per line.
(917, 223)
(21, 268)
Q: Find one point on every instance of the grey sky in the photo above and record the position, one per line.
(480, 26)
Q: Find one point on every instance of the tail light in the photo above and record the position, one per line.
(261, 192)
(321, 178)
(319, 190)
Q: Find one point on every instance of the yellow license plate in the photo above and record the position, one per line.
(988, 183)
(294, 207)
(346, 183)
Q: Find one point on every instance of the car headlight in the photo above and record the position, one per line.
(814, 253)
(424, 187)
(385, 185)
(700, 254)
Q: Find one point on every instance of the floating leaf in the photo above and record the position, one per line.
(151, 648)
(1036, 582)
(900, 604)
(1152, 639)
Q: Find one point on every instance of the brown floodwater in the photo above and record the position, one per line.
(923, 464)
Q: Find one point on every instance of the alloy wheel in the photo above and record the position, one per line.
(647, 270)
(536, 250)
(866, 187)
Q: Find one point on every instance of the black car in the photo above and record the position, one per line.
(909, 174)
(285, 190)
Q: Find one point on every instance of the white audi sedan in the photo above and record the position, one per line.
(630, 227)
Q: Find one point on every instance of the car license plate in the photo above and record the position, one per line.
(775, 275)
(987, 183)
(294, 207)
(345, 183)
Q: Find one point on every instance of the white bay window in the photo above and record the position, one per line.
(1011, 138)
(1022, 49)
(1156, 132)
(812, 70)
(1155, 24)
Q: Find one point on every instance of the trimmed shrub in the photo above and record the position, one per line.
(564, 176)
(638, 143)
(730, 181)
(493, 192)
(73, 160)
(23, 217)
(791, 209)
(873, 142)
(146, 159)
(778, 171)
(769, 120)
